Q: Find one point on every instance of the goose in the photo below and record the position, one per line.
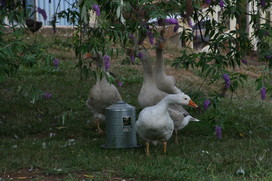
(150, 95)
(164, 82)
(101, 95)
(154, 123)
(181, 120)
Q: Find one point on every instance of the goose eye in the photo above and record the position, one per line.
(185, 98)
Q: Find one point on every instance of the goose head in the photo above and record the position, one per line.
(182, 99)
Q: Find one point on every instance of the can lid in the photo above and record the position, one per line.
(120, 105)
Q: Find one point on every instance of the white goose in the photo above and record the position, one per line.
(150, 95)
(155, 124)
(101, 95)
(180, 121)
(164, 82)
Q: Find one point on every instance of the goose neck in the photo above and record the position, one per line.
(147, 67)
(170, 98)
(159, 64)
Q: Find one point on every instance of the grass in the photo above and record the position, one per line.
(55, 139)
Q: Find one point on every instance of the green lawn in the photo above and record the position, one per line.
(55, 139)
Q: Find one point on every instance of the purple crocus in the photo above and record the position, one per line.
(42, 12)
(218, 132)
(263, 3)
(244, 61)
(47, 95)
(132, 58)
(208, 2)
(263, 93)
(227, 80)
(150, 36)
(171, 21)
(119, 83)
(221, 3)
(106, 62)
(207, 103)
(56, 62)
(140, 55)
(96, 8)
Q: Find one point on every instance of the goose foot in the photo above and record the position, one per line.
(147, 149)
(176, 137)
(99, 130)
(164, 146)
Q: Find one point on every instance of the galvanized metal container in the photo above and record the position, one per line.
(120, 126)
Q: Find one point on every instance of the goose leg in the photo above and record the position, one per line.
(164, 146)
(147, 148)
(176, 136)
(99, 130)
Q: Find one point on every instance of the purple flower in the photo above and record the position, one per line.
(244, 61)
(131, 36)
(221, 3)
(208, 2)
(47, 95)
(207, 103)
(140, 55)
(268, 56)
(218, 132)
(263, 3)
(3, 3)
(263, 93)
(132, 58)
(119, 83)
(227, 80)
(42, 12)
(96, 8)
(150, 36)
(106, 62)
(56, 62)
(171, 21)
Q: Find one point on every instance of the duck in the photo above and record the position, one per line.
(165, 83)
(101, 95)
(154, 123)
(150, 95)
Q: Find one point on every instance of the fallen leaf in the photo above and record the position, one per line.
(21, 178)
(62, 127)
(89, 176)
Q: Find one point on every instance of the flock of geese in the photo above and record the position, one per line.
(161, 102)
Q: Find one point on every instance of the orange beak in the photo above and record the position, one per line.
(192, 104)
(88, 55)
